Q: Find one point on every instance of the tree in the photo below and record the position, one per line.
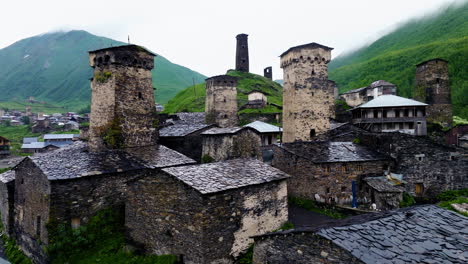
(26, 120)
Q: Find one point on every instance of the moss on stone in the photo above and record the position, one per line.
(207, 159)
(102, 77)
(112, 135)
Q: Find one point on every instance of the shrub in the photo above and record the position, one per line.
(207, 159)
(407, 201)
(451, 195)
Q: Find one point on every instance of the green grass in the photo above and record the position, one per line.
(459, 200)
(16, 134)
(459, 121)
(407, 201)
(192, 99)
(73, 131)
(393, 57)
(314, 207)
(101, 240)
(35, 108)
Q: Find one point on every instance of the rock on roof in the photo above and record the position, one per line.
(263, 127)
(75, 161)
(389, 100)
(181, 129)
(220, 176)
(321, 152)
(7, 176)
(423, 234)
(223, 130)
(383, 184)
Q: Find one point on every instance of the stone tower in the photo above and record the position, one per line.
(242, 53)
(122, 100)
(307, 92)
(433, 88)
(268, 73)
(221, 101)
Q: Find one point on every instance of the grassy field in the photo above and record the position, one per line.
(35, 108)
(15, 134)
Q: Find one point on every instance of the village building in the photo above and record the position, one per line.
(457, 136)
(42, 125)
(269, 134)
(385, 192)
(39, 147)
(60, 139)
(7, 199)
(206, 213)
(420, 234)
(433, 88)
(4, 146)
(362, 95)
(231, 143)
(326, 171)
(308, 95)
(390, 113)
(221, 101)
(184, 134)
(256, 99)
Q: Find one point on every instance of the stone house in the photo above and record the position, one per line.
(362, 95)
(42, 125)
(268, 133)
(230, 143)
(455, 136)
(389, 113)
(355, 97)
(325, 171)
(420, 234)
(206, 213)
(38, 147)
(221, 101)
(256, 99)
(47, 190)
(386, 192)
(4, 146)
(7, 199)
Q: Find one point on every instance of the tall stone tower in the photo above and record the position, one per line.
(221, 101)
(122, 100)
(433, 88)
(242, 53)
(307, 92)
(268, 73)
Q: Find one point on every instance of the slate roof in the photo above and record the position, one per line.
(383, 184)
(263, 127)
(321, 152)
(220, 176)
(181, 129)
(194, 118)
(424, 234)
(7, 176)
(223, 130)
(27, 140)
(380, 83)
(124, 47)
(355, 90)
(310, 45)
(389, 100)
(75, 161)
(33, 145)
(59, 136)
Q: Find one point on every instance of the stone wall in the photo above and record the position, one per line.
(7, 191)
(122, 101)
(211, 228)
(299, 248)
(433, 88)
(268, 73)
(383, 200)
(244, 144)
(434, 167)
(32, 208)
(308, 96)
(190, 145)
(221, 101)
(328, 182)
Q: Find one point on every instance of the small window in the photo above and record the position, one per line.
(313, 72)
(419, 189)
(419, 157)
(106, 59)
(22, 180)
(328, 190)
(343, 188)
(38, 225)
(140, 96)
(327, 168)
(312, 133)
(359, 168)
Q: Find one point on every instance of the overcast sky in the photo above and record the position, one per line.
(200, 34)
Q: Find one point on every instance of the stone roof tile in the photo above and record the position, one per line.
(7, 176)
(219, 176)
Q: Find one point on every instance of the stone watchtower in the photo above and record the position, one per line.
(122, 100)
(221, 101)
(307, 93)
(242, 53)
(268, 73)
(433, 88)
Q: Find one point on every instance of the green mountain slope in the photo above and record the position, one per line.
(54, 68)
(393, 57)
(192, 99)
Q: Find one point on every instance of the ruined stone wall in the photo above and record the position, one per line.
(436, 167)
(7, 204)
(433, 88)
(268, 73)
(299, 248)
(242, 53)
(308, 96)
(324, 182)
(190, 145)
(244, 144)
(122, 101)
(221, 101)
(354, 99)
(32, 208)
(201, 228)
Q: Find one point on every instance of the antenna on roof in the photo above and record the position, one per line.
(128, 39)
